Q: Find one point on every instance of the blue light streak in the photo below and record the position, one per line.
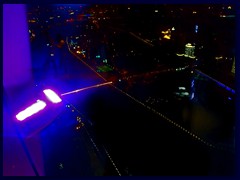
(217, 82)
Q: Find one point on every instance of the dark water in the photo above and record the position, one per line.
(138, 139)
(210, 112)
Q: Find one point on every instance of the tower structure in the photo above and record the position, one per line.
(189, 51)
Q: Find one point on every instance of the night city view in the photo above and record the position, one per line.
(119, 90)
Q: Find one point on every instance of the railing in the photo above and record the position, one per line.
(216, 81)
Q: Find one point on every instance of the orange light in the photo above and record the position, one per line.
(32, 21)
(167, 37)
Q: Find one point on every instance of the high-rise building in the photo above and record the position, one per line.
(189, 50)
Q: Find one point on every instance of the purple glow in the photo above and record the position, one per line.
(52, 96)
(17, 68)
(33, 109)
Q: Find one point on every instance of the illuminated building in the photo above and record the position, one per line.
(167, 34)
(189, 50)
(196, 28)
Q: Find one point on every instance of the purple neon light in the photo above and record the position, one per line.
(29, 111)
(52, 96)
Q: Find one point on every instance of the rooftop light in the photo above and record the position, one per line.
(52, 96)
(29, 111)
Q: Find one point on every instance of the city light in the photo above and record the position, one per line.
(179, 54)
(192, 83)
(192, 95)
(33, 109)
(31, 21)
(181, 88)
(196, 28)
(52, 96)
(217, 58)
(227, 16)
(166, 32)
(223, 16)
(189, 51)
(233, 66)
(189, 45)
(167, 36)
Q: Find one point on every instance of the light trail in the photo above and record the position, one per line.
(141, 39)
(89, 87)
